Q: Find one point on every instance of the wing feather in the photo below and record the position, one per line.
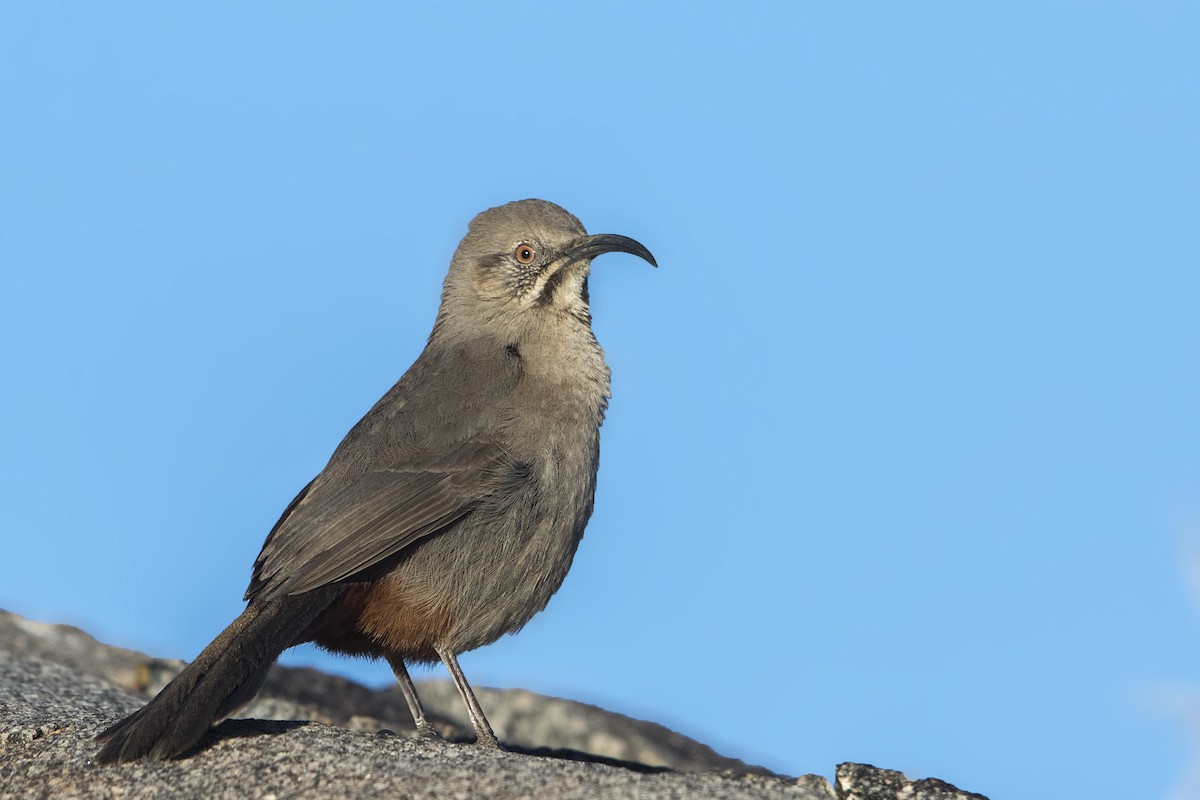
(338, 527)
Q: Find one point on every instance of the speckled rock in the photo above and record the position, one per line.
(59, 687)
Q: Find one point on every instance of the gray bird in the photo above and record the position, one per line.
(451, 512)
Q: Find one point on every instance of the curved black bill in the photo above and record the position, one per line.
(592, 246)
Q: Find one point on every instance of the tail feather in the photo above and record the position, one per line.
(225, 675)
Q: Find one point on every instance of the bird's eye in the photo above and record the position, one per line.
(524, 254)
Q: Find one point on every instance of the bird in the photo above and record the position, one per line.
(451, 512)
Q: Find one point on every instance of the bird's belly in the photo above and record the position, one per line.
(505, 567)
(465, 587)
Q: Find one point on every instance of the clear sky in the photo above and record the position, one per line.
(902, 461)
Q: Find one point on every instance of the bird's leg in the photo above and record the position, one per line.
(483, 731)
(424, 729)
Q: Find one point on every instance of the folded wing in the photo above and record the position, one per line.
(336, 528)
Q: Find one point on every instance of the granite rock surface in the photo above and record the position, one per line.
(311, 735)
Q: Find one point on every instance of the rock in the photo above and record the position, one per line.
(59, 687)
(865, 782)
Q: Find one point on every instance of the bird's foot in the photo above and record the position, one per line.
(427, 732)
(487, 740)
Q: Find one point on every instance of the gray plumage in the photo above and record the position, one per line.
(451, 512)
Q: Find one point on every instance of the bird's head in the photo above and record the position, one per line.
(527, 258)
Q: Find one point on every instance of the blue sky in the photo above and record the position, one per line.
(902, 461)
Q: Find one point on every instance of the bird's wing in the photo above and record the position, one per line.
(336, 529)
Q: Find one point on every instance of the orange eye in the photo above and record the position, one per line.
(524, 254)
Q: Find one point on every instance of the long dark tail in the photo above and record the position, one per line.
(226, 675)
